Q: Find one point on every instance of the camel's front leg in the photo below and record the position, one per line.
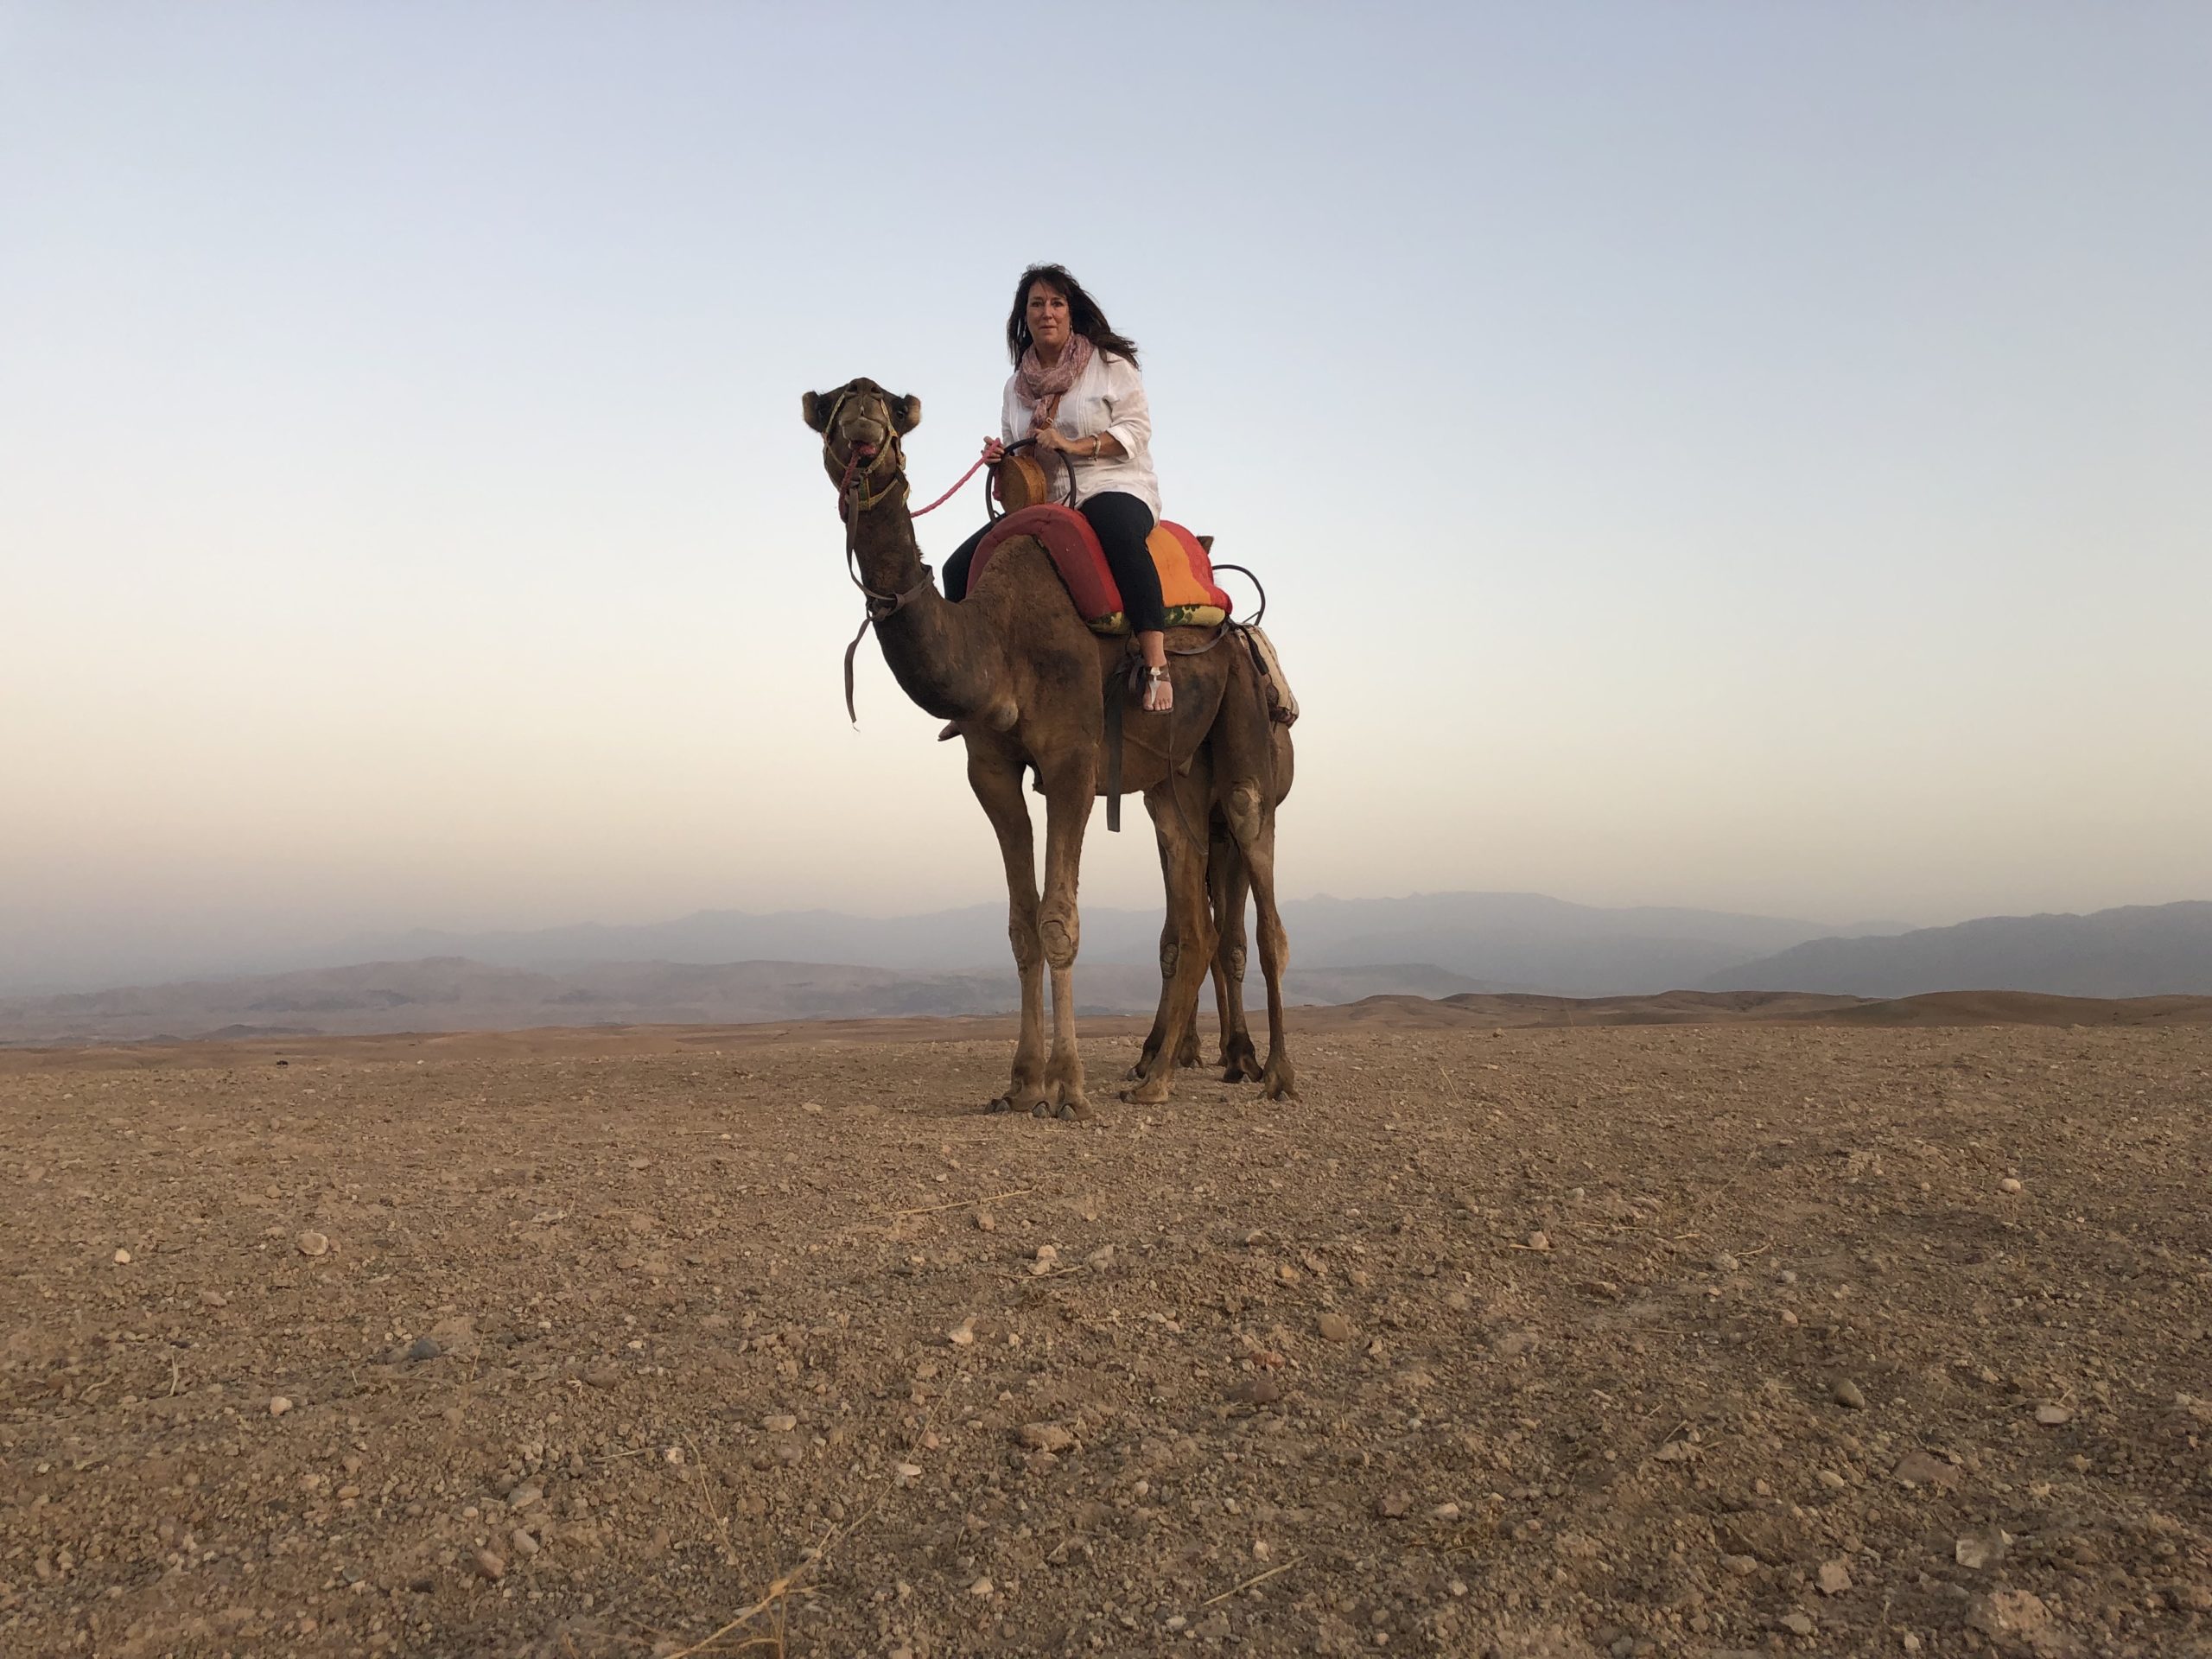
(997, 783)
(1070, 788)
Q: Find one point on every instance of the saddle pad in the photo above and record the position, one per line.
(1188, 589)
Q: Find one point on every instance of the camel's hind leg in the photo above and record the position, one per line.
(998, 786)
(1176, 806)
(1252, 821)
(1230, 883)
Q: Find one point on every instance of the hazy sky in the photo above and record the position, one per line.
(1728, 454)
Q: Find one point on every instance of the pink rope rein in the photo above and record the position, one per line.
(954, 491)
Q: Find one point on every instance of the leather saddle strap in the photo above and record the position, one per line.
(1116, 694)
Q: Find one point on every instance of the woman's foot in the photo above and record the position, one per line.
(1159, 692)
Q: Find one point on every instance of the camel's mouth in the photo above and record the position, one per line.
(865, 451)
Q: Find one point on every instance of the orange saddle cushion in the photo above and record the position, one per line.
(1188, 589)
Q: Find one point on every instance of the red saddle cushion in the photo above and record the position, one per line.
(1187, 588)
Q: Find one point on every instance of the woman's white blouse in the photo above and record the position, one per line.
(1107, 396)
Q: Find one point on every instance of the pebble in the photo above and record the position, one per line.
(910, 1471)
(1391, 1505)
(985, 1221)
(525, 1545)
(780, 1422)
(1044, 1437)
(1540, 1240)
(1048, 1256)
(524, 1496)
(1100, 1259)
(963, 1335)
(1797, 1623)
(982, 1587)
(2010, 1184)
(602, 1374)
(1835, 1577)
(811, 1108)
(122, 1258)
(1261, 1391)
(424, 1348)
(1725, 1263)
(1445, 1512)
(1845, 1392)
(1976, 1550)
(491, 1566)
(2051, 1416)
(214, 1298)
(1742, 1565)
(313, 1243)
(1829, 1478)
(278, 1406)
(1334, 1327)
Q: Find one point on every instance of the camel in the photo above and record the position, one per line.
(1026, 681)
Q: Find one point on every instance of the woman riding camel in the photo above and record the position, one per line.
(1076, 390)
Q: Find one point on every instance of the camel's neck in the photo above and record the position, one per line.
(944, 656)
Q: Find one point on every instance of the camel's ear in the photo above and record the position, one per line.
(815, 406)
(906, 417)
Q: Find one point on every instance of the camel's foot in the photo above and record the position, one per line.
(1138, 1072)
(1065, 1101)
(1240, 1061)
(1279, 1081)
(1019, 1097)
(1151, 1091)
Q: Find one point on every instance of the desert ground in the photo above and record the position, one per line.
(1692, 1327)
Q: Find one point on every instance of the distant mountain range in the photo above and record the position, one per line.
(2137, 950)
(727, 966)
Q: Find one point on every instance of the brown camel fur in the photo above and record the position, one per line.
(1027, 680)
(1254, 766)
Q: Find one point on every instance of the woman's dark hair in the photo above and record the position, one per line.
(1084, 317)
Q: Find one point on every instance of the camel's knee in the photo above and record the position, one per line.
(1027, 953)
(1059, 935)
(1244, 813)
(1170, 953)
(1232, 959)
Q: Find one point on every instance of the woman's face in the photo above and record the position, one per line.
(1047, 315)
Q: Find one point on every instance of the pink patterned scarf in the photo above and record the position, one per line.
(1044, 387)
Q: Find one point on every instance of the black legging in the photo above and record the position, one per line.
(1121, 523)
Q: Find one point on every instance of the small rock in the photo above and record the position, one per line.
(673, 1455)
(122, 1258)
(1048, 1253)
(2010, 1184)
(963, 1335)
(526, 1496)
(1835, 1577)
(1845, 1392)
(1391, 1505)
(1797, 1623)
(985, 1221)
(1044, 1437)
(1445, 1512)
(423, 1347)
(1976, 1550)
(1725, 1263)
(2051, 1415)
(781, 1422)
(811, 1108)
(491, 1566)
(602, 1374)
(278, 1406)
(1742, 1565)
(982, 1587)
(1260, 1391)
(525, 1545)
(1100, 1259)
(313, 1243)
(1917, 1468)
(1540, 1240)
(910, 1471)
(214, 1298)
(2009, 1615)
(1829, 1478)
(1334, 1327)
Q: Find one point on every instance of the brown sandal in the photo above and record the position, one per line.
(1159, 692)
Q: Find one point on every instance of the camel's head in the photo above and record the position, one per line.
(861, 422)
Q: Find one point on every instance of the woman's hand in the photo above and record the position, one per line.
(1048, 437)
(993, 451)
